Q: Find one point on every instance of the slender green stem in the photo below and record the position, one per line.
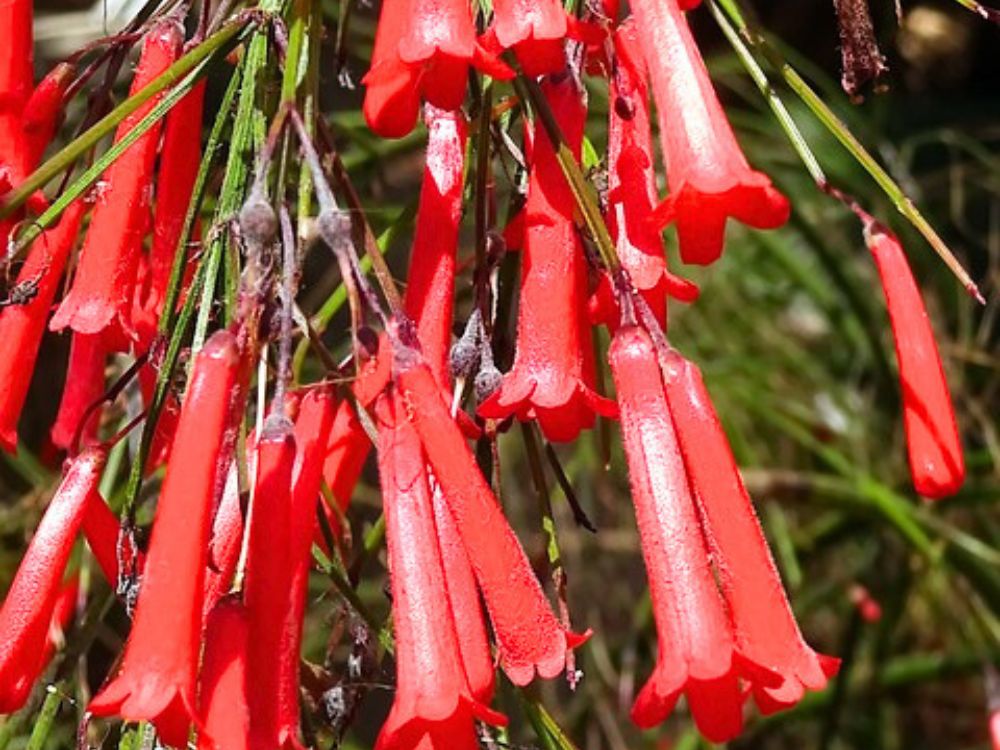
(60, 162)
(46, 717)
(836, 127)
(781, 112)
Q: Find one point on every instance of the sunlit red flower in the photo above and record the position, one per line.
(268, 579)
(227, 535)
(460, 581)
(423, 49)
(312, 434)
(43, 111)
(553, 373)
(536, 30)
(934, 447)
(30, 604)
(698, 656)
(157, 679)
(707, 173)
(23, 325)
(430, 282)
(632, 187)
(529, 637)
(179, 160)
(101, 293)
(88, 355)
(223, 688)
(764, 626)
(434, 707)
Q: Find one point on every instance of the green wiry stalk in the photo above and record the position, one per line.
(836, 127)
(60, 162)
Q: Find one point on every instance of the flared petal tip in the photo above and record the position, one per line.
(171, 712)
(522, 669)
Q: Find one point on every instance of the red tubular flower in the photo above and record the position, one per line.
(22, 326)
(763, 623)
(423, 48)
(157, 677)
(529, 636)
(697, 653)
(463, 596)
(16, 58)
(312, 434)
(43, 111)
(934, 447)
(708, 175)
(345, 458)
(178, 169)
(28, 609)
(102, 530)
(227, 536)
(434, 708)
(102, 290)
(535, 30)
(552, 376)
(62, 617)
(632, 184)
(268, 579)
(430, 282)
(84, 386)
(223, 694)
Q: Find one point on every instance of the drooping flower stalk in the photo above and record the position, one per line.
(102, 290)
(934, 447)
(222, 696)
(553, 373)
(157, 679)
(434, 707)
(312, 434)
(88, 355)
(30, 604)
(529, 637)
(707, 173)
(423, 49)
(23, 325)
(763, 623)
(698, 656)
(268, 580)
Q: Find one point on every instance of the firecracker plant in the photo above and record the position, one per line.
(214, 425)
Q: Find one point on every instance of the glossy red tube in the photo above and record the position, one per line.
(934, 447)
(553, 373)
(22, 326)
(102, 290)
(530, 638)
(157, 679)
(268, 579)
(697, 653)
(763, 622)
(433, 707)
(28, 608)
(223, 688)
(88, 356)
(707, 173)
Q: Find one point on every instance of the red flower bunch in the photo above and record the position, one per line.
(250, 493)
